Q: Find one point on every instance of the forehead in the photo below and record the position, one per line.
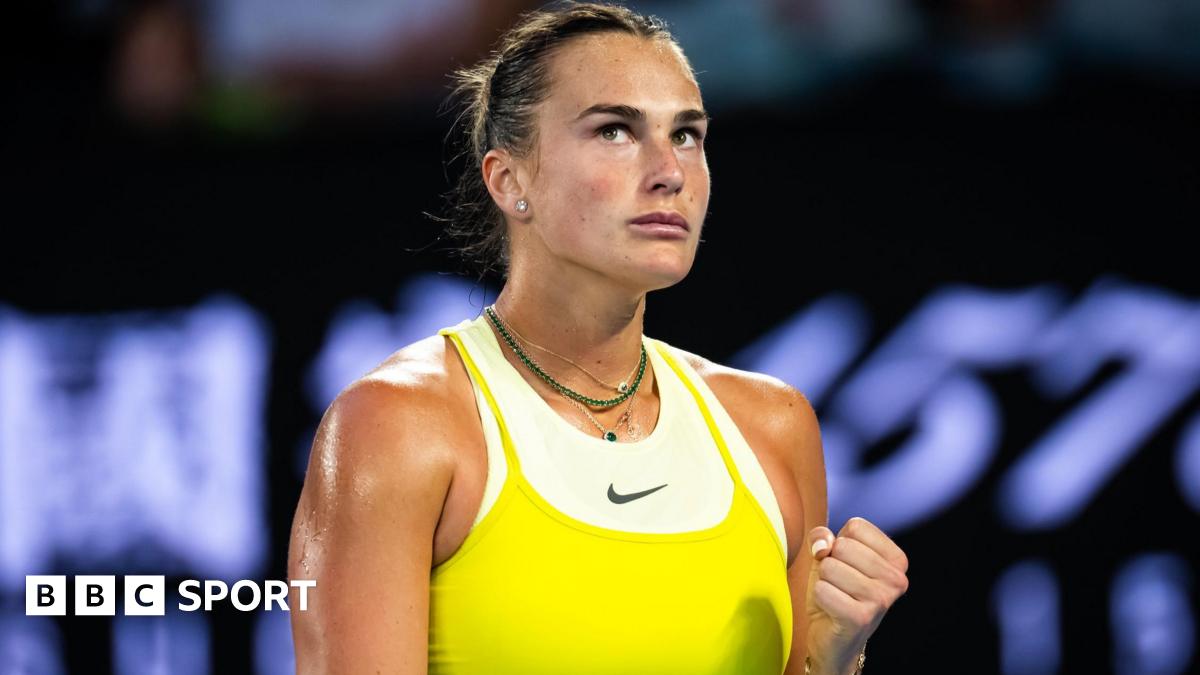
(619, 68)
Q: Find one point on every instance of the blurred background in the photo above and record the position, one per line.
(966, 229)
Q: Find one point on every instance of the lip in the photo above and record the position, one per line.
(662, 218)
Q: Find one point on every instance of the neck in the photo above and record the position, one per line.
(592, 323)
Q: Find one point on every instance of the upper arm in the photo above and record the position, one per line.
(363, 529)
(801, 444)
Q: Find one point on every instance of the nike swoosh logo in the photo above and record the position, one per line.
(621, 499)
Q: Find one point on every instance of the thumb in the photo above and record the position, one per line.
(820, 541)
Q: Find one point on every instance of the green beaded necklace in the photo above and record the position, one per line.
(558, 386)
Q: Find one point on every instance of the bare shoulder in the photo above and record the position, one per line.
(763, 406)
(399, 424)
(402, 412)
(380, 468)
(427, 364)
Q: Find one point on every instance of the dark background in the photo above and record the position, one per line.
(885, 181)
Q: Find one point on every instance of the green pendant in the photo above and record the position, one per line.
(610, 436)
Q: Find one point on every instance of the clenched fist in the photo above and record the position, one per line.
(856, 576)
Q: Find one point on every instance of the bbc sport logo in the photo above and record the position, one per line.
(145, 595)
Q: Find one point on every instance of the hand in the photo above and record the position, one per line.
(855, 578)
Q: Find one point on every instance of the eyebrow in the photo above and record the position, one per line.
(631, 113)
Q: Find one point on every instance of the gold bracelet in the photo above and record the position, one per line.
(862, 659)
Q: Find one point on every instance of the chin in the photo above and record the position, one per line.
(663, 274)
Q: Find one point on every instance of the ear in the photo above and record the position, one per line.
(503, 178)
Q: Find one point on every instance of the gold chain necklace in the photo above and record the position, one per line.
(619, 388)
(560, 387)
(605, 433)
(610, 434)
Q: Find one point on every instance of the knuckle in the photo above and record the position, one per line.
(883, 597)
(883, 601)
(889, 599)
(878, 610)
(825, 566)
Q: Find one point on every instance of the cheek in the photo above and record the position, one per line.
(575, 205)
(599, 188)
(592, 179)
(587, 195)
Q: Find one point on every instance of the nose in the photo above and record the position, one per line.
(664, 170)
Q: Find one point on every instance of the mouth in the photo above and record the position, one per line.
(662, 219)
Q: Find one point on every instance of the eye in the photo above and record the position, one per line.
(610, 132)
(681, 136)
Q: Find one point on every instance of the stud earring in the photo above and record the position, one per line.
(522, 205)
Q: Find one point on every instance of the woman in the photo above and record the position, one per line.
(543, 489)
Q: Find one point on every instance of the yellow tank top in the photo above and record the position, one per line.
(533, 590)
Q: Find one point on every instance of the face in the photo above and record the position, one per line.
(620, 136)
